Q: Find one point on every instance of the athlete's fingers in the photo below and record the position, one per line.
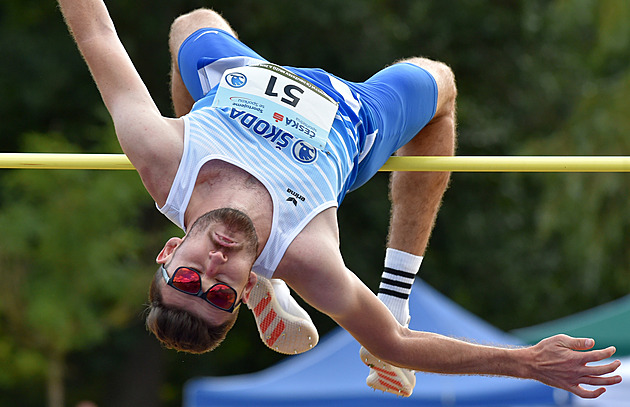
(587, 394)
(601, 381)
(597, 355)
(575, 343)
(599, 370)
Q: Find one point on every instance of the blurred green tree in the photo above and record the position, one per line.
(584, 217)
(516, 244)
(534, 77)
(71, 268)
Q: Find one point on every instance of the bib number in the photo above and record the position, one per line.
(279, 96)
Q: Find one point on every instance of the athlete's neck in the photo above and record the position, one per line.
(223, 185)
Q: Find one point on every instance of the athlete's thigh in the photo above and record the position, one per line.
(206, 54)
(402, 99)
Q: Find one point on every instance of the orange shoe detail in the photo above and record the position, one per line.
(289, 331)
(276, 333)
(262, 305)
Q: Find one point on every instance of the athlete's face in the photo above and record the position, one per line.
(222, 248)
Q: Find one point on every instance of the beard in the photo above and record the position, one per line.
(234, 220)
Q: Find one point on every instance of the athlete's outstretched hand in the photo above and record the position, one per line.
(561, 361)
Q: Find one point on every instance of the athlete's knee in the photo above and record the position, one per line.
(439, 70)
(445, 80)
(188, 23)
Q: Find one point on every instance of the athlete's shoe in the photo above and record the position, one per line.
(386, 377)
(283, 325)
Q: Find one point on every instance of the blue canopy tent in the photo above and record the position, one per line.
(332, 373)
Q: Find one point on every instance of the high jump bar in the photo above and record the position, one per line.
(455, 164)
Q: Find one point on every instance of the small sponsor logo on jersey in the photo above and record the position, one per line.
(236, 80)
(304, 152)
(296, 196)
(278, 117)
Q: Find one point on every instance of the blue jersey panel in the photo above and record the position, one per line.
(375, 117)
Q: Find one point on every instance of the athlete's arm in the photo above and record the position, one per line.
(313, 267)
(148, 139)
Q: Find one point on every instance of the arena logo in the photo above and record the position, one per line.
(294, 199)
(295, 194)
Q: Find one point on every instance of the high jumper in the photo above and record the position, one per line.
(254, 168)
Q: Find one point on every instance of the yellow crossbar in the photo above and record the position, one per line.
(68, 161)
(510, 164)
(455, 164)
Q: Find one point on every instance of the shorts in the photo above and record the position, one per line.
(386, 111)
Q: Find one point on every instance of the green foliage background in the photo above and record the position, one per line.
(77, 247)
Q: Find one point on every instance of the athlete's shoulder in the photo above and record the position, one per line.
(314, 246)
(157, 158)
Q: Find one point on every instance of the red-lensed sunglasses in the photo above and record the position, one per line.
(188, 281)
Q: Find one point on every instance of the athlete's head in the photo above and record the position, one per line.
(202, 280)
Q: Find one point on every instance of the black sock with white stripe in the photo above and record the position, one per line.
(396, 282)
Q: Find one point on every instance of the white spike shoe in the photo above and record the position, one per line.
(386, 377)
(282, 324)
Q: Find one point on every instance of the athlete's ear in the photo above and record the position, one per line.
(167, 251)
(251, 282)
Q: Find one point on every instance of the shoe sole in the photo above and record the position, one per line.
(279, 330)
(388, 378)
